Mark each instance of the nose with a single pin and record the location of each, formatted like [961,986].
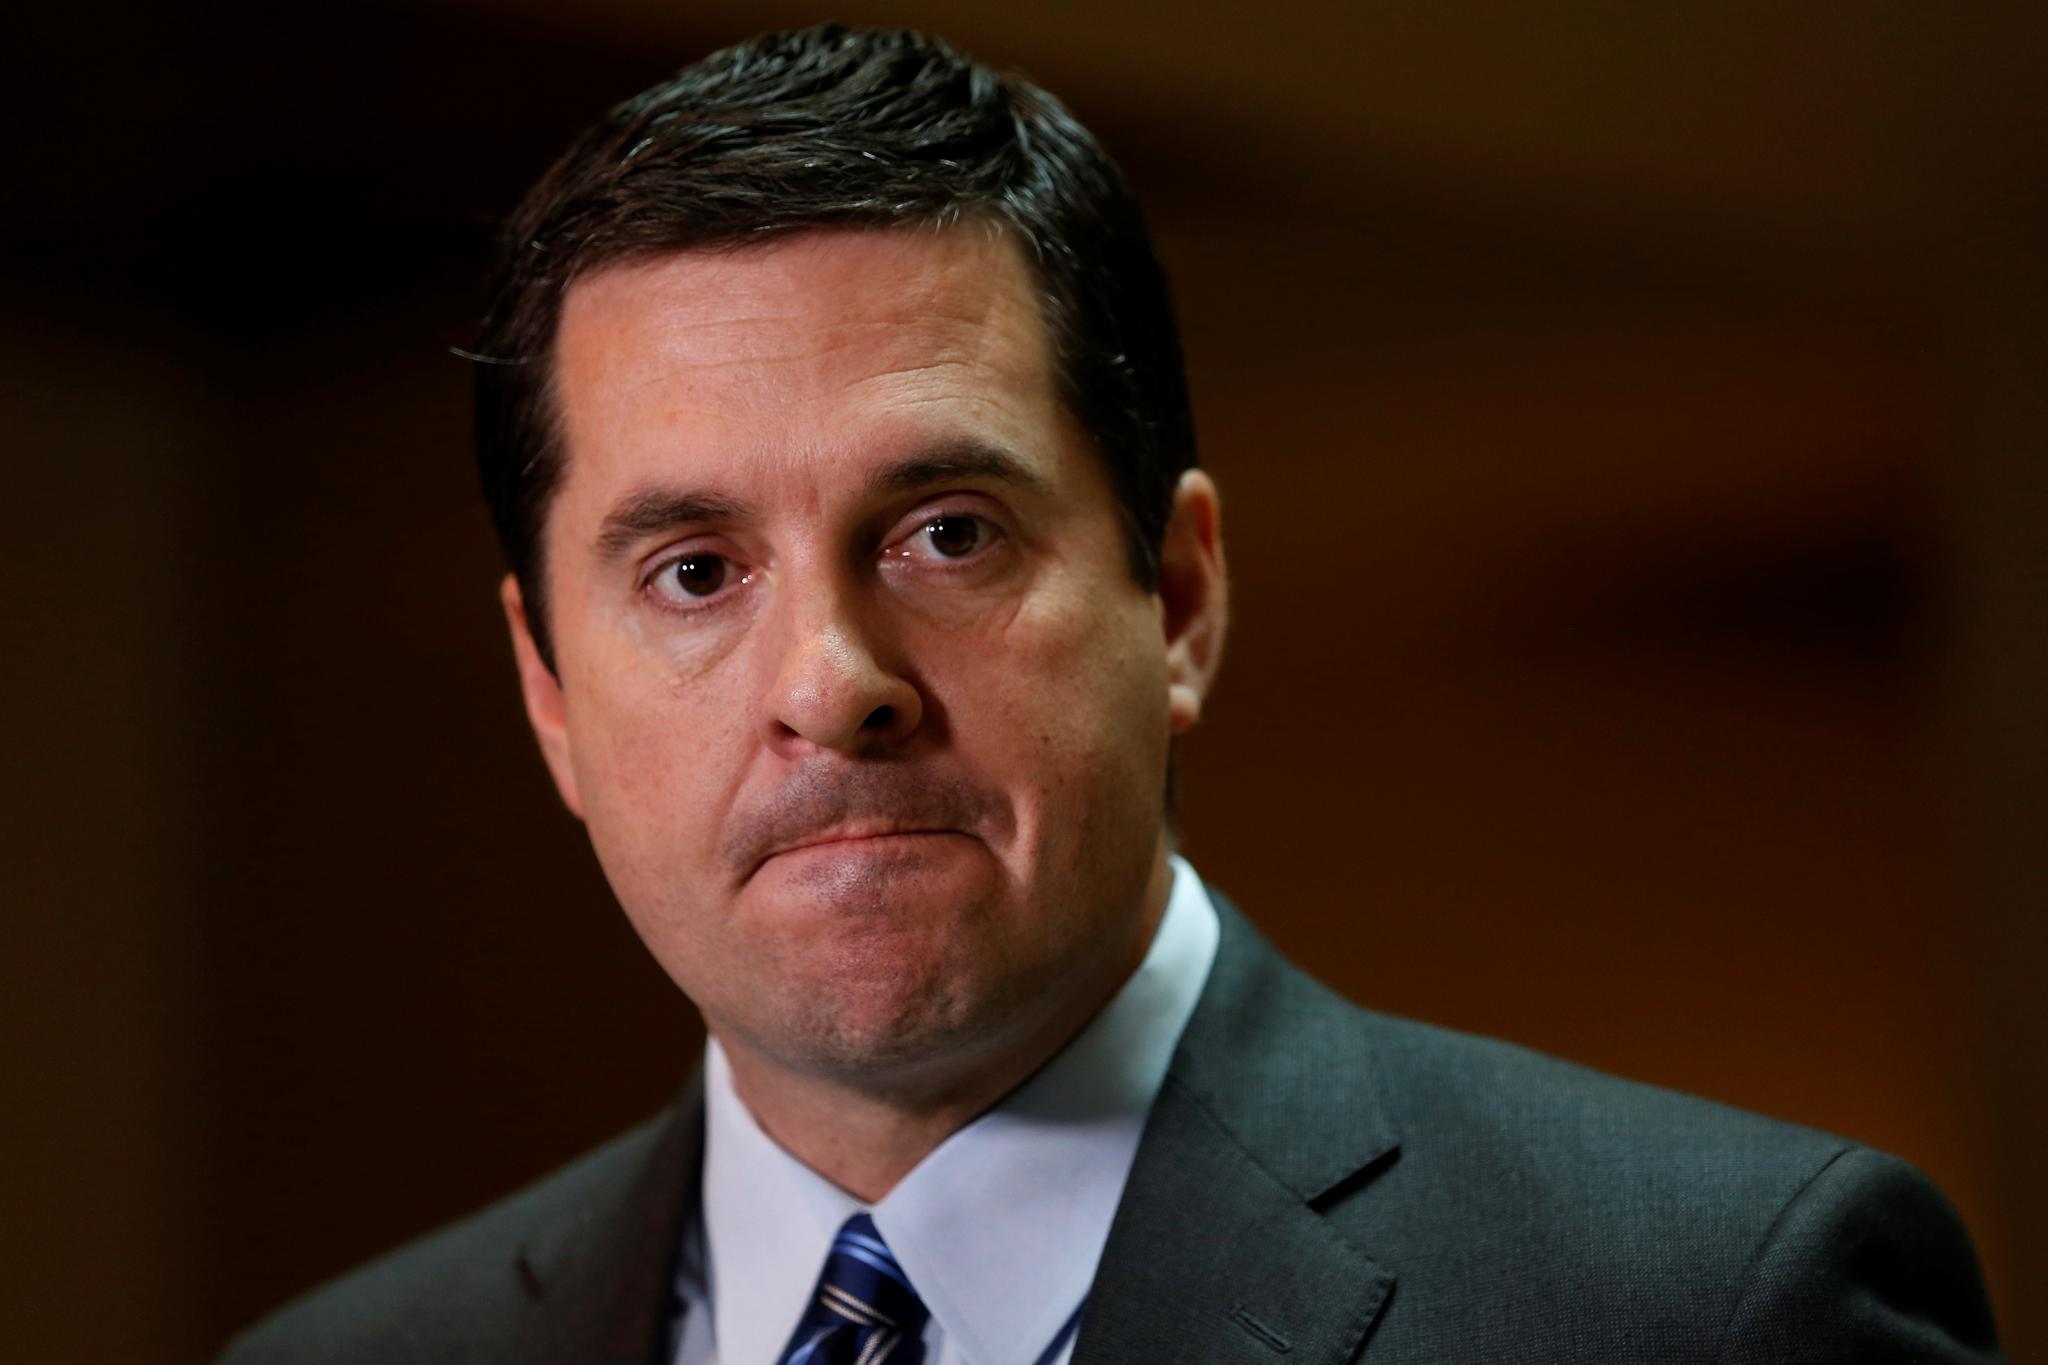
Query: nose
[836,684]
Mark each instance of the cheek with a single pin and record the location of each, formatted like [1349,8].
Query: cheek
[645,744]
[1081,683]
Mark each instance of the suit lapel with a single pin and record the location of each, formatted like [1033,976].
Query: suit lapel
[1218,1253]
[600,1288]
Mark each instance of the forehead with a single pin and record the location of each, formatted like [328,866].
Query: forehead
[823,345]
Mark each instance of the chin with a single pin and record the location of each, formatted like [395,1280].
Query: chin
[887,1007]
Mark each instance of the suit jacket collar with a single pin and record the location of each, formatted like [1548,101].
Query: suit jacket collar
[601,1285]
[1284,1064]
[1269,1111]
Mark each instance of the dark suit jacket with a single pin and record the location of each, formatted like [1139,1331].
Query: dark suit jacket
[1316,1184]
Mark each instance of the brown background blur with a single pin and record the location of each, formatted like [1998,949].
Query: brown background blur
[1631,426]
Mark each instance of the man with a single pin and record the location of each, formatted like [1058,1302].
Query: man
[832,413]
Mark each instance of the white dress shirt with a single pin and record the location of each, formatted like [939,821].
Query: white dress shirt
[999,1228]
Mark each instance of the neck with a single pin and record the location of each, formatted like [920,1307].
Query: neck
[865,1133]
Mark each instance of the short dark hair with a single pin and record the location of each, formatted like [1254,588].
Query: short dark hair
[839,127]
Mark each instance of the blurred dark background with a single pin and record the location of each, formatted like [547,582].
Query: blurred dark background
[1631,426]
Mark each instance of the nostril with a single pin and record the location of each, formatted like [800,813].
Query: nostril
[881,718]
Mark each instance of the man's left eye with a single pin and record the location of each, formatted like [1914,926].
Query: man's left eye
[951,536]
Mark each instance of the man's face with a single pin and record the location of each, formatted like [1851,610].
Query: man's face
[864,712]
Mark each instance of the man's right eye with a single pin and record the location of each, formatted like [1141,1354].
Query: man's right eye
[691,578]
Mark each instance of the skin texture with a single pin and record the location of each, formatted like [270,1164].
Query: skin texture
[859,702]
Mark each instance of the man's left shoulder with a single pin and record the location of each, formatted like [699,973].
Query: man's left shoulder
[1505,1104]
[1606,1146]
[1522,1207]
[1681,1218]
[1285,1056]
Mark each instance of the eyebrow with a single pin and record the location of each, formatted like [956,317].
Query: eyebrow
[948,464]
[651,511]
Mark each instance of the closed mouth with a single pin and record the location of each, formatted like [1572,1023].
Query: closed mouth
[836,838]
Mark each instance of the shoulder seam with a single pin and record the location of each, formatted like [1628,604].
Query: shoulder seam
[1747,1278]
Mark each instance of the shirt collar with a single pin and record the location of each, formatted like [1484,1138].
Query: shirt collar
[1001,1226]
[768,1222]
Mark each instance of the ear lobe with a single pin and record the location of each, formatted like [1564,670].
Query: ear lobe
[546,709]
[1194,597]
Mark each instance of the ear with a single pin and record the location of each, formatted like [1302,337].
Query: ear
[1193,596]
[545,709]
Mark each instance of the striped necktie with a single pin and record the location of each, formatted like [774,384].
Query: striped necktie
[864,1312]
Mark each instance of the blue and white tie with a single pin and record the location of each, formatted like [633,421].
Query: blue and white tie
[864,1312]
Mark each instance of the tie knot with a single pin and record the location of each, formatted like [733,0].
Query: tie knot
[865,1309]
[863,1283]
